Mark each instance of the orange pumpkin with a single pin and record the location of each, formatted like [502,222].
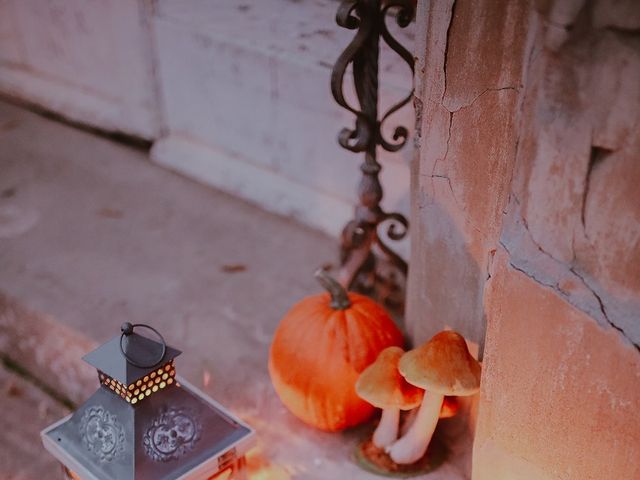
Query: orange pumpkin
[319,349]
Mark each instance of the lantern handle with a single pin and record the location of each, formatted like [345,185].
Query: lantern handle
[127,329]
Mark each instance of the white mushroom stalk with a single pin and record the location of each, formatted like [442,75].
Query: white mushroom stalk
[450,407]
[413,444]
[387,431]
[381,385]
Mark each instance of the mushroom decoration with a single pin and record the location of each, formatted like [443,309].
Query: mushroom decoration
[442,366]
[382,386]
[450,407]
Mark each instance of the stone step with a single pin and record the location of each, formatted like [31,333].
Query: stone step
[26,410]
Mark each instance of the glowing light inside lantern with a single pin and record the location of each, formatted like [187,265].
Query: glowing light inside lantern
[143,387]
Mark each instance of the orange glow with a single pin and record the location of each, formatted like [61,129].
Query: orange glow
[206,378]
[142,387]
[71,474]
[450,407]
[223,475]
[259,468]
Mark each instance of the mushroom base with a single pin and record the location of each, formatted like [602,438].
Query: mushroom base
[375,460]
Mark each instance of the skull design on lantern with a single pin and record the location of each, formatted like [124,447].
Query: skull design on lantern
[171,434]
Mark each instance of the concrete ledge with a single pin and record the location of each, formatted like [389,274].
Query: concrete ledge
[48,350]
[260,185]
[26,410]
[76,104]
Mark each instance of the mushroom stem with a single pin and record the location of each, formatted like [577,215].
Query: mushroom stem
[408,421]
[413,445]
[387,431]
[339,297]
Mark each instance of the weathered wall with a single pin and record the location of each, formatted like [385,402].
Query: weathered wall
[250,114]
[560,393]
[533,207]
[253,114]
[466,96]
[91,62]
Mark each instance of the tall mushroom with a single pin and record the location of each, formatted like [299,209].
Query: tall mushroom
[382,386]
[442,366]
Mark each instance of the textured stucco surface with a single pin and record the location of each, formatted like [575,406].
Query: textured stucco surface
[526,216]
[464,157]
[560,394]
[573,221]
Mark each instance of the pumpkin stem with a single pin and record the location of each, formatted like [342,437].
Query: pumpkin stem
[339,298]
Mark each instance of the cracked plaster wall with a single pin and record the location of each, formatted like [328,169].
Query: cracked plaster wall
[466,140]
[526,225]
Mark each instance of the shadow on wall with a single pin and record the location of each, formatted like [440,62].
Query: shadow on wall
[446,259]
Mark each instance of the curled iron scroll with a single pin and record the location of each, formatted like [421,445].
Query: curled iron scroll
[358,138]
[397,230]
[403,18]
[352,14]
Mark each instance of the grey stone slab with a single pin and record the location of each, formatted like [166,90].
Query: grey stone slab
[47,349]
[25,411]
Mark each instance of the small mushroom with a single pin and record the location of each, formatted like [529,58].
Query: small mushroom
[382,386]
[442,366]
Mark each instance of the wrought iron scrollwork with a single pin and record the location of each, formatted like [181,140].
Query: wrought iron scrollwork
[368,263]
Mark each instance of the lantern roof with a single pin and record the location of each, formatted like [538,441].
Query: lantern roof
[129,356]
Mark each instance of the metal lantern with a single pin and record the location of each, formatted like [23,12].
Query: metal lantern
[144,422]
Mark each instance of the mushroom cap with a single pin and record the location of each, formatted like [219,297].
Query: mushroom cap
[442,365]
[382,386]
